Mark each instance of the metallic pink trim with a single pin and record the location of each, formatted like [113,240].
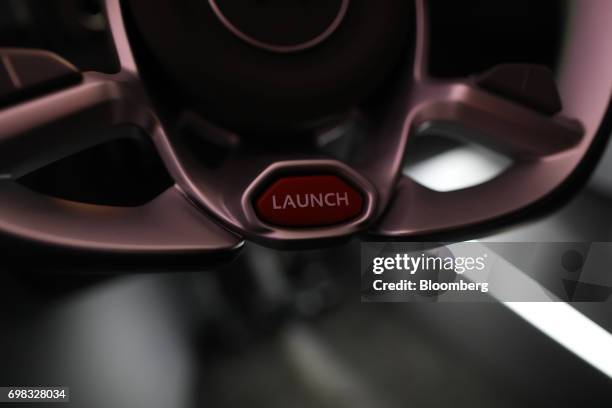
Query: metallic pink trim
[57,124]
[585,85]
[167,225]
[279,48]
[116,24]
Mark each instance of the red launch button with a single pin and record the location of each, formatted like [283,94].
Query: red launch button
[309,201]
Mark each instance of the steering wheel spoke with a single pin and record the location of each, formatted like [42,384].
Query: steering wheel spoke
[463,110]
[45,119]
[515,109]
[41,130]
[167,225]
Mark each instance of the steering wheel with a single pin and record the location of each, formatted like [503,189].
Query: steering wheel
[257,85]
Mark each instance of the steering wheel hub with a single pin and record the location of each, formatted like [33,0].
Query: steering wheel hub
[273,67]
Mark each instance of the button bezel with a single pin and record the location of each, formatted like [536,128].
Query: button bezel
[294,168]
